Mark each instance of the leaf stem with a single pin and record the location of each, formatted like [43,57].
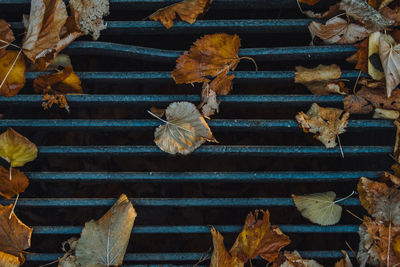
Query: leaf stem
[340,146]
[352,251]
[11,44]
[252,60]
[352,193]
[155,116]
[355,216]
[15,203]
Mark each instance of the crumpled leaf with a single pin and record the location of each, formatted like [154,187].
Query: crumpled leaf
[187,10]
[69,260]
[8,260]
[258,238]
[293,259]
[319,208]
[322,80]
[15,81]
[374,243]
[15,236]
[211,55]
[345,262]
[361,11]
[220,257]
[366,99]
[386,114]
[209,104]
[184,131]
[6,36]
[89,15]
[10,188]
[337,31]
[325,123]
[104,242]
[43,27]
[16,149]
[50,100]
[62,82]
[360,58]
[389,53]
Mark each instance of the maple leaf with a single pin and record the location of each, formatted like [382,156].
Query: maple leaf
[360,58]
[293,259]
[322,80]
[338,31]
[325,123]
[8,260]
[10,188]
[389,53]
[361,11]
[15,236]
[184,131]
[6,36]
[12,73]
[258,238]
[319,208]
[187,10]
[220,256]
[104,242]
[62,82]
[43,27]
[211,55]
[16,149]
[89,15]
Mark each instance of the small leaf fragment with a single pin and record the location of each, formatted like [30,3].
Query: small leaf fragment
[209,104]
[15,81]
[345,262]
[386,114]
[63,82]
[293,259]
[10,188]
[319,208]
[16,149]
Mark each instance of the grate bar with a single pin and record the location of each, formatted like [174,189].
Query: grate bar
[111,125]
[160,55]
[202,176]
[163,202]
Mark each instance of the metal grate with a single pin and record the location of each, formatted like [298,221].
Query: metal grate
[104,146]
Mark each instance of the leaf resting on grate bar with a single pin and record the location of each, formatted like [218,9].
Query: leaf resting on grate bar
[10,188]
[325,123]
[104,242]
[293,259]
[184,131]
[187,10]
[12,81]
[319,208]
[220,257]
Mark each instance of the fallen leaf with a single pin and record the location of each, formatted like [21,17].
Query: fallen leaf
[391,14]
[366,99]
[60,61]
[375,69]
[187,10]
[337,31]
[325,123]
[63,82]
[322,80]
[89,15]
[15,236]
[258,238]
[293,259]
[389,53]
[386,114]
[220,257]
[10,188]
[104,242]
[309,2]
[12,73]
[43,27]
[319,208]
[396,151]
[6,36]
[69,260]
[209,56]
[8,260]
[345,262]
[361,11]
[50,100]
[379,4]
[16,149]
[209,104]
[184,131]
[222,84]
[381,201]
[332,11]
[361,56]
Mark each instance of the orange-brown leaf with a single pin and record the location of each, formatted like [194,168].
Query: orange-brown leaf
[10,188]
[361,56]
[6,35]
[50,100]
[309,2]
[222,84]
[187,10]
[8,260]
[209,56]
[63,82]
[15,80]
[258,238]
[15,236]
[220,257]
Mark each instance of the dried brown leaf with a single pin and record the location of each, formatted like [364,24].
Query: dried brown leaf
[332,11]
[10,188]
[345,262]
[62,82]
[8,260]
[361,57]
[6,36]
[293,259]
[12,73]
[220,256]
[309,2]
[389,53]
[386,114]
[209,104]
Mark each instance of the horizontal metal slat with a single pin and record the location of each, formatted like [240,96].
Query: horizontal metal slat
[202,176]
[151,99]
[288,151]
[160,55]
[163,202]
[112,125]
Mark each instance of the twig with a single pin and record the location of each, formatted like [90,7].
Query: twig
[352,193]
[352,251]
[355,84]
[354,215]
[340,146]
[50,263]
[15,203]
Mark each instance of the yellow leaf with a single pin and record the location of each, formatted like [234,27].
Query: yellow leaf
[8,260]
[15,81]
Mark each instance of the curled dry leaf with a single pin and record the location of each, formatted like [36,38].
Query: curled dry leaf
[184,131]
[104,242]
[360,58]
[258,238]
[63,82]
[386,114]
[10,188]
[345,262]
[50,100]
[16,149]
[211,55]
[12,73]
[375,69]
[88,15]
[209,104]
[293,259]
[220,257]
[6,35]
[325,123]
[187,10]
[322,80]
[15,236]
[361,11]
[8,260]
[69,260]
[389,53]
[337,31]
[319,208]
